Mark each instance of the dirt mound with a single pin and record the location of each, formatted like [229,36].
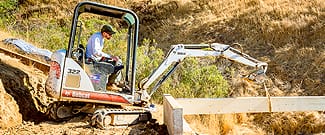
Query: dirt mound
[9,110]
[26,87]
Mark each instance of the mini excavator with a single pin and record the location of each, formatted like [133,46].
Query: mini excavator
[79,87]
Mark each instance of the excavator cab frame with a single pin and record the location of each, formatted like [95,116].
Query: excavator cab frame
[75,88]
[117,13]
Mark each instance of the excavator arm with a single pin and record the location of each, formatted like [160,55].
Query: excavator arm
[179,52]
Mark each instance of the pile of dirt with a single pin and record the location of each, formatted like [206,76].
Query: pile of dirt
[9,110]
[26,86]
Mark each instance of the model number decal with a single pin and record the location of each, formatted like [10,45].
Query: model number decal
[73,71]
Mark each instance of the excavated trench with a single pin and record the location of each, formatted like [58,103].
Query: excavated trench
[28,91]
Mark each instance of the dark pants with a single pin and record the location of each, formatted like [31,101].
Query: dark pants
[111,68]
[118,65]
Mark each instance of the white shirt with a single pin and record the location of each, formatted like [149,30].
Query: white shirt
[95,46]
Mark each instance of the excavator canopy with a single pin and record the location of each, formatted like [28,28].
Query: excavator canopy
[116,13]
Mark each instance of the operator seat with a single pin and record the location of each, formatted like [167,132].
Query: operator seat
[97,71]
[79,55]
[82,52]
[100,66]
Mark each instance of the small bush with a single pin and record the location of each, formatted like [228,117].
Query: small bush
[7,8]
[193,78]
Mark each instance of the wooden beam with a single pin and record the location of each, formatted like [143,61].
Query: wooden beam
[44,67]
[173,115]
[251,104]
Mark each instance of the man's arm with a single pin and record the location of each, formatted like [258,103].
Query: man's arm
[98,53]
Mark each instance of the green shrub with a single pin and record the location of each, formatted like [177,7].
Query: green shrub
[192,79]
[7,8]
[148,59]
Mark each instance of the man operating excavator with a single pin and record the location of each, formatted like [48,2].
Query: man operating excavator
[94,53]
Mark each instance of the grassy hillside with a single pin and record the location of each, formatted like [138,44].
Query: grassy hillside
[289,35]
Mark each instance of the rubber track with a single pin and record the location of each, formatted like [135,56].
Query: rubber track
[44,67]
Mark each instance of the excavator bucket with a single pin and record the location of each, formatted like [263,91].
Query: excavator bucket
[257,76]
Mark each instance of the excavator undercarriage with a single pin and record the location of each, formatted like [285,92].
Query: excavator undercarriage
[103,115]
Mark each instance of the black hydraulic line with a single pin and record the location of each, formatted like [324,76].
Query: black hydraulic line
[80,30]
[128,57]
[134,51]
[196,46]
[164,78]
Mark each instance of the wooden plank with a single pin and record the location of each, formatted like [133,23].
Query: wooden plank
[44,67]
[187,130]
[251,104]
[173,115]
[298,103]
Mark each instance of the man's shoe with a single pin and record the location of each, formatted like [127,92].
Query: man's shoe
[113,87]
[117,68]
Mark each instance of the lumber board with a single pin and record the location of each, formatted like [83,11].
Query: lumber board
[44,67]
[173,115]
[251,104]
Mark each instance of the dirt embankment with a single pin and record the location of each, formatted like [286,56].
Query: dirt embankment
[26,87]
[9,110]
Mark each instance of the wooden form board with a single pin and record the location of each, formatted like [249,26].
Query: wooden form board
[251,104]
[173,115]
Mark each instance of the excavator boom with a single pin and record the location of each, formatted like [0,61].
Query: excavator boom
[179,52]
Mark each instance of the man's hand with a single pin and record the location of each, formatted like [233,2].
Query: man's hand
[115,58]
[105,59]
[111,59]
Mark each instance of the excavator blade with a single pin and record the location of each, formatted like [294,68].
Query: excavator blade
[257,76]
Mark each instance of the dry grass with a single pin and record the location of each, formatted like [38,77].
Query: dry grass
[289,35]
[291,122]
[257,124]
[226,124]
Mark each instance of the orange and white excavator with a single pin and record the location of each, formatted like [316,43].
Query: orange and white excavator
[79,87]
